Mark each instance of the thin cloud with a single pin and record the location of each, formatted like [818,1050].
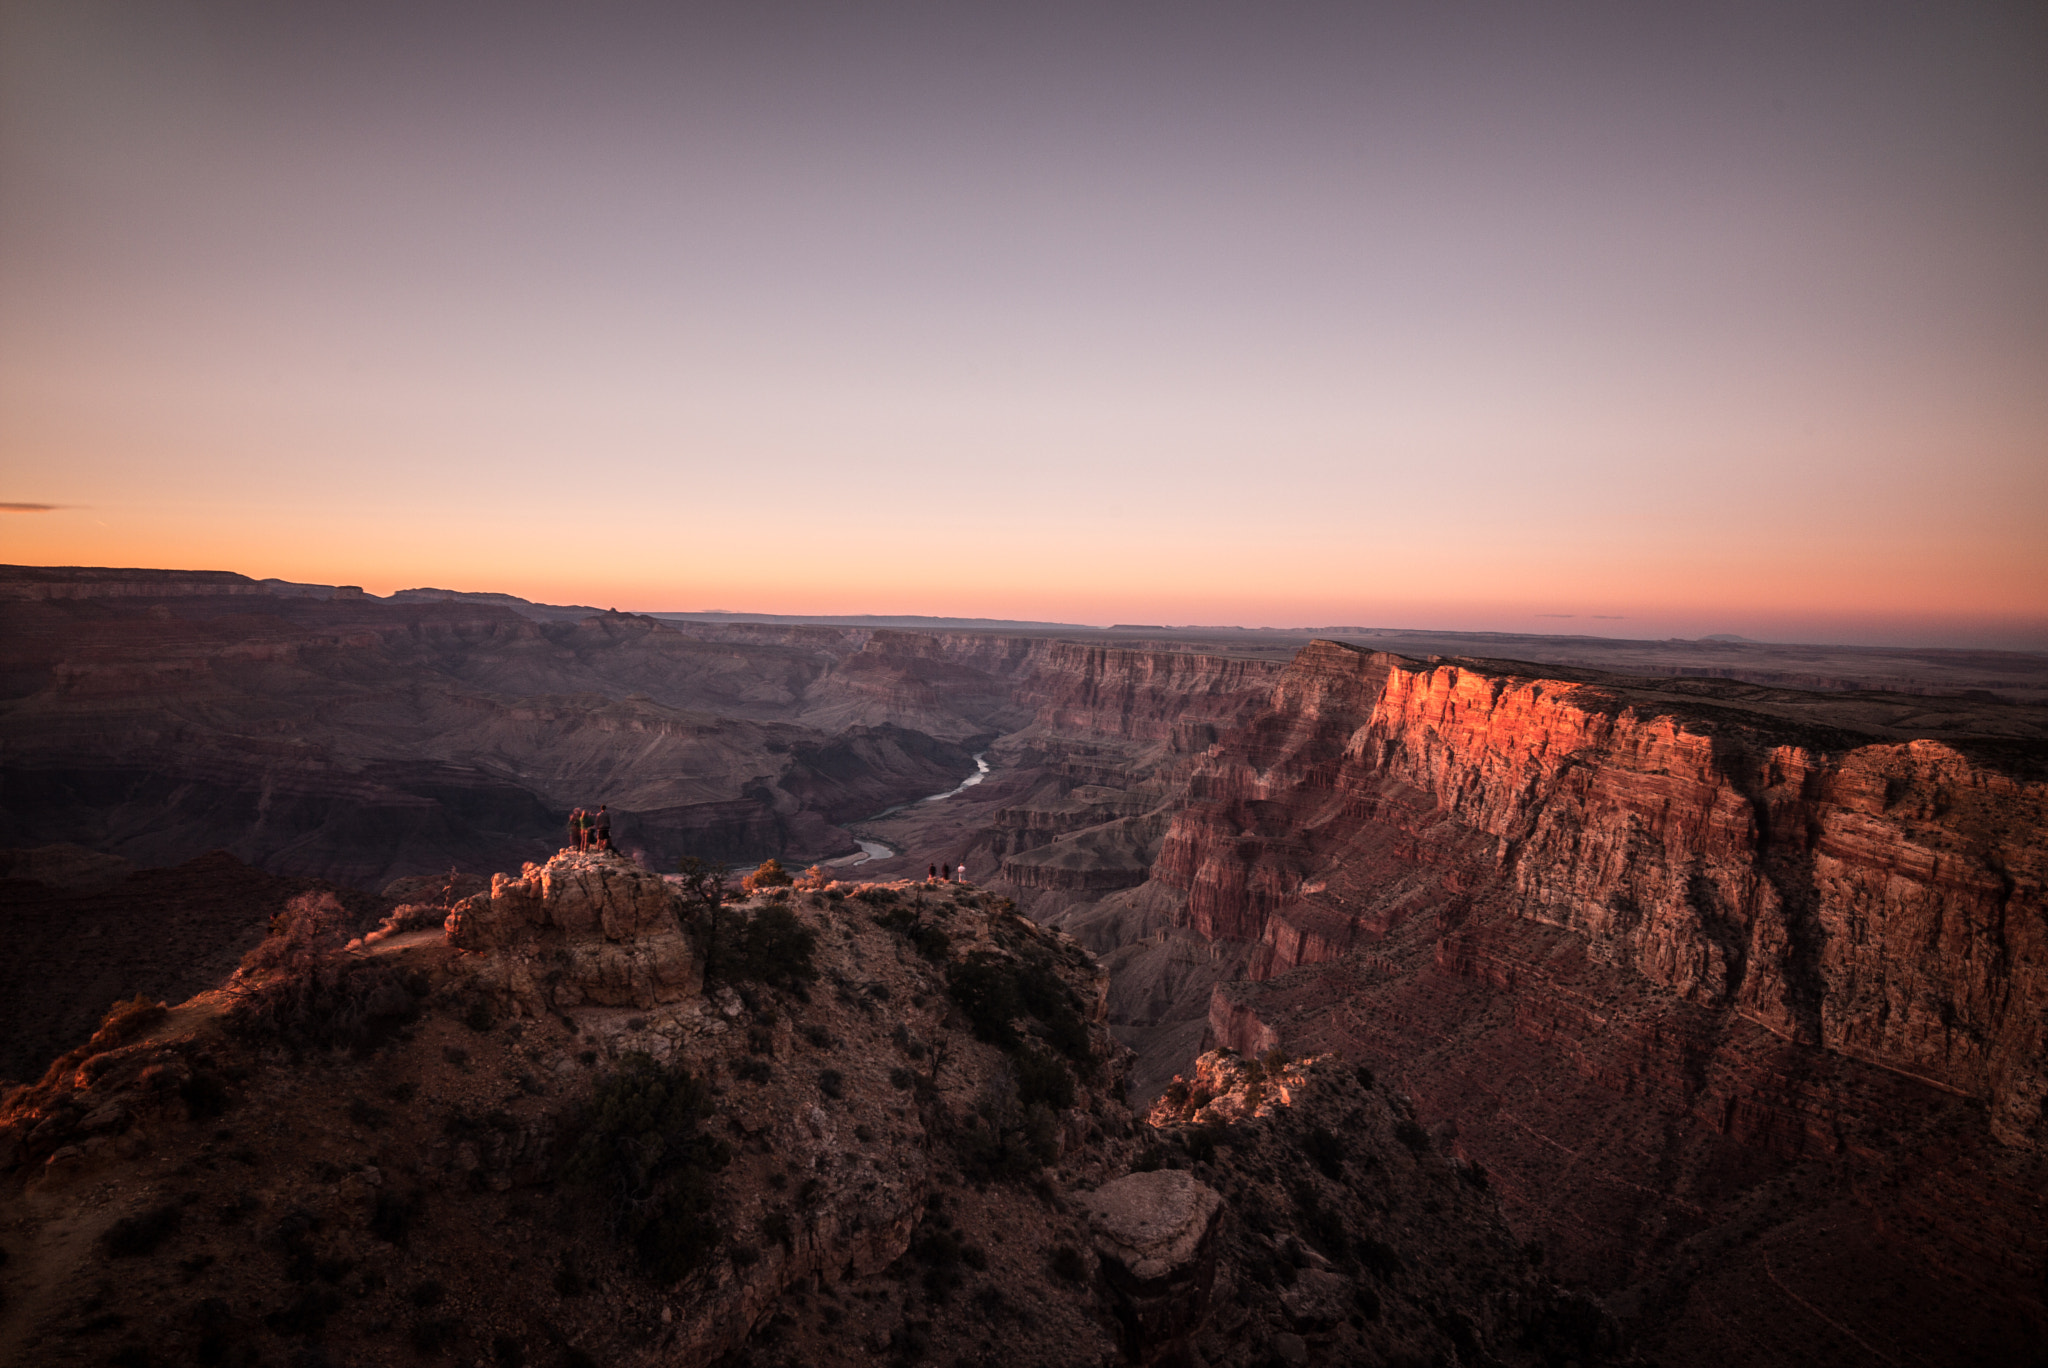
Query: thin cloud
[29,508]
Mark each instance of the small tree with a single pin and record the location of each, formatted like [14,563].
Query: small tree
[771,874]
[703,882]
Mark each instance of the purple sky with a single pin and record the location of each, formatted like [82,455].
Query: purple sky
[1673,319]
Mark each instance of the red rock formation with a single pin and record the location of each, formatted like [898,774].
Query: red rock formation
[1880,900]
[1643,951]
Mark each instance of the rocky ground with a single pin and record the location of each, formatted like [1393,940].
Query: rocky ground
[588,1123]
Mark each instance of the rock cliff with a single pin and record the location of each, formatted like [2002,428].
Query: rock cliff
[1650,948]
[1879,900]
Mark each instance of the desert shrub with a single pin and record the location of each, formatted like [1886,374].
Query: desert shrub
[1200,1143]
[771,874]
[984,985]
[773,947]
[434,1334]
[928,940]
[703,882]
[126,1020]
[939,1249]
[1474,1174]
[142,1232]
[1365,1079]
[820,1038]
[754,1070]
[1067,1263]
[643,1148]
[813,880]
[1042,1079]
[305,1314]
[1379,1259]
[777,1226]
[307,929]
[832,1083]
[1011,1139]
[392,1213]
[1325,1151]
[1413,1136]
[366,1115]
[205,1096]
[333,1004]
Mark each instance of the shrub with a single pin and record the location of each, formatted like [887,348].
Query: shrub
[335,1004]
[1042,1079]
[832,1083]
[772,947]
[703,882]
[205,1096]
[985,987]
[771,874]
[813,880]
[778,1227]
[143,1232]
[1379,1259]
[643,1147]
[362,1113]
[126,1020]
[929,941]
[1413,1136]
[1325,1150]
[393,1212]
[309,928]
[1067,1263]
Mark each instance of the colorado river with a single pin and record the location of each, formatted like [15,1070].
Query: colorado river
[875,850]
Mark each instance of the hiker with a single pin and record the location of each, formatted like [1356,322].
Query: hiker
[603,822]
[576,829]
[961,877]
[931,872]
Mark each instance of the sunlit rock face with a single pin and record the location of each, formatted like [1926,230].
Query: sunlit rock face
[1693,937]
[585,928]
[1880,900]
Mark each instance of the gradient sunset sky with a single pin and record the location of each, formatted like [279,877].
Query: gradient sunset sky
[1625,318]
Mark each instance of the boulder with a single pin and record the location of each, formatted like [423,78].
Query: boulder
[1155,1237]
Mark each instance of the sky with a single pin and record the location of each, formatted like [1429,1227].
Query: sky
[1630,319]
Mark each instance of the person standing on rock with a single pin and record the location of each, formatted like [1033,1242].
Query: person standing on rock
[603,824]
[961,875]
[576,829]
[931,872]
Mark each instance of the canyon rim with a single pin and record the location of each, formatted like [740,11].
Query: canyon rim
[1653,1016]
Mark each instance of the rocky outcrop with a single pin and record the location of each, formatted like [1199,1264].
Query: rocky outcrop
[1155,1242]
[1226,1086]
[586,928]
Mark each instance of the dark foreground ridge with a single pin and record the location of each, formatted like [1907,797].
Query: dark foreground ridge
[588,1121]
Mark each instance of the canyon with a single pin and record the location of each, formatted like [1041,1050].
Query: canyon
[1736,992]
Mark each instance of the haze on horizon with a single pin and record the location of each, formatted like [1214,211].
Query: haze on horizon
[1631,320]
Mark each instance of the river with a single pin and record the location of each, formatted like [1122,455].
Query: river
[876,850]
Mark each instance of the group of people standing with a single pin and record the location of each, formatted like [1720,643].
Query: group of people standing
[941,873]
[590,830]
